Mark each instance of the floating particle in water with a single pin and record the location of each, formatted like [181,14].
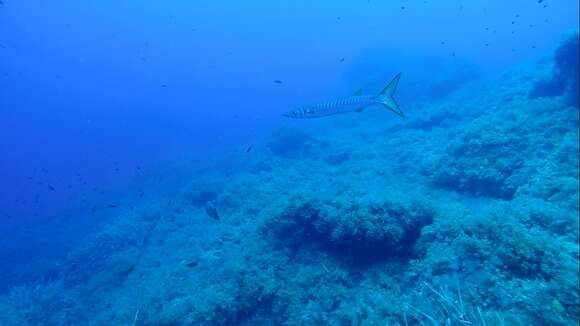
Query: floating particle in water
[278,81]
[112,206]
[249,149]
[342,59]
[486,44]
[93,210]
[442,42]
[402,7]
[163,86]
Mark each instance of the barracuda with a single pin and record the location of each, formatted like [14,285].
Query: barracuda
[355,103]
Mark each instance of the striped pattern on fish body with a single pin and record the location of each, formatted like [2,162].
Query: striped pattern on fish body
[354,103]
[337,106]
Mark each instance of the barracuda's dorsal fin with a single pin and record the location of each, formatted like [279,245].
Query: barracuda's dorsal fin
[358,92]
[386,96]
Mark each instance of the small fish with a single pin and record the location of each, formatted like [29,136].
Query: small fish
[129,270]
[93,210]
[278,81]
[51,188]
[211,211]
[112,206]
[355,103]
[191,263]
[249,149]
[341,59]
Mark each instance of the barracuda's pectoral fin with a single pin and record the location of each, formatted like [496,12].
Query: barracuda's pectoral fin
[386,96]
[358,92]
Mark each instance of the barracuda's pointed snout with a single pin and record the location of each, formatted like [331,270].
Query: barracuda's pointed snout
[290,114]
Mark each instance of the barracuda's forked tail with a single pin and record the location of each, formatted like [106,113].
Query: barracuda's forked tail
[386,96]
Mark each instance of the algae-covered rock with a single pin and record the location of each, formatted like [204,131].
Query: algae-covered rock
[383,228]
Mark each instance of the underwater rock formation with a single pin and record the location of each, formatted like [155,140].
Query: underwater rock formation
[564,76]
[363,232]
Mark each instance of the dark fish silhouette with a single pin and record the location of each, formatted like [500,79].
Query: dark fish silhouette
[249,149]
[277,81]
[191,264]
[212,211]
[51,188]
[112,206]
[93,210]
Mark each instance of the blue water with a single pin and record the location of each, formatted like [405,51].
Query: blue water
[124,123]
